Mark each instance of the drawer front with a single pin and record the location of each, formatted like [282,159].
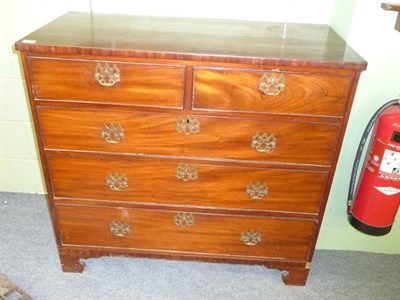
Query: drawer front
[208,137]
[185,232]
[108,82]
[186,184]
[270,91]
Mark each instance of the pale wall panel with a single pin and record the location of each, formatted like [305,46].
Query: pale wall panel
[370,32]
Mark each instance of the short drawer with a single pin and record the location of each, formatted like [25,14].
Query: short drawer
[182,183]
[270,92]
[109,82]
[187,232]
[188,136]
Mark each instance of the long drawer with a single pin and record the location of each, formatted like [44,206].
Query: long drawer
[270,91]
[189,136]
[182,183]
[110,82]
[189,232]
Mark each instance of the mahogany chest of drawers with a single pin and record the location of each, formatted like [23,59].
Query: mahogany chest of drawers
[195,139]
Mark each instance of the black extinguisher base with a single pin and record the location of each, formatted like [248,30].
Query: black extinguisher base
[357,224]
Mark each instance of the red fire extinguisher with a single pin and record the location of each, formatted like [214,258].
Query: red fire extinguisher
[377,198]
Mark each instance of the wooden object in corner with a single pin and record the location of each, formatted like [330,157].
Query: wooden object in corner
[192,139]
[393,7]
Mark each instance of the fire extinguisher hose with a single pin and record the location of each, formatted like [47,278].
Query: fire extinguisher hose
[360,150]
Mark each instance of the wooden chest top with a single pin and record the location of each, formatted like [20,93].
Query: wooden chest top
[253,42]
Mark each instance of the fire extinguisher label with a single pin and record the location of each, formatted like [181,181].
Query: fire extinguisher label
[391,164]
[388,191]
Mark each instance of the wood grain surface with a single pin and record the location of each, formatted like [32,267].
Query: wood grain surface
[239,90]
[154,230]
[154,181]
[140,84]
[227,41]
[156,134]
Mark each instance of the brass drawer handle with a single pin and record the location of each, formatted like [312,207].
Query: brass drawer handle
[112,133]
[257,191]
[264,142]
[272,83]
[188,125]
[184,220]
[116,182]
[107,75]
[250,237]
[119,228]
[186,173]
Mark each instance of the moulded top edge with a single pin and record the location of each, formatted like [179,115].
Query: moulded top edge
[193,39]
